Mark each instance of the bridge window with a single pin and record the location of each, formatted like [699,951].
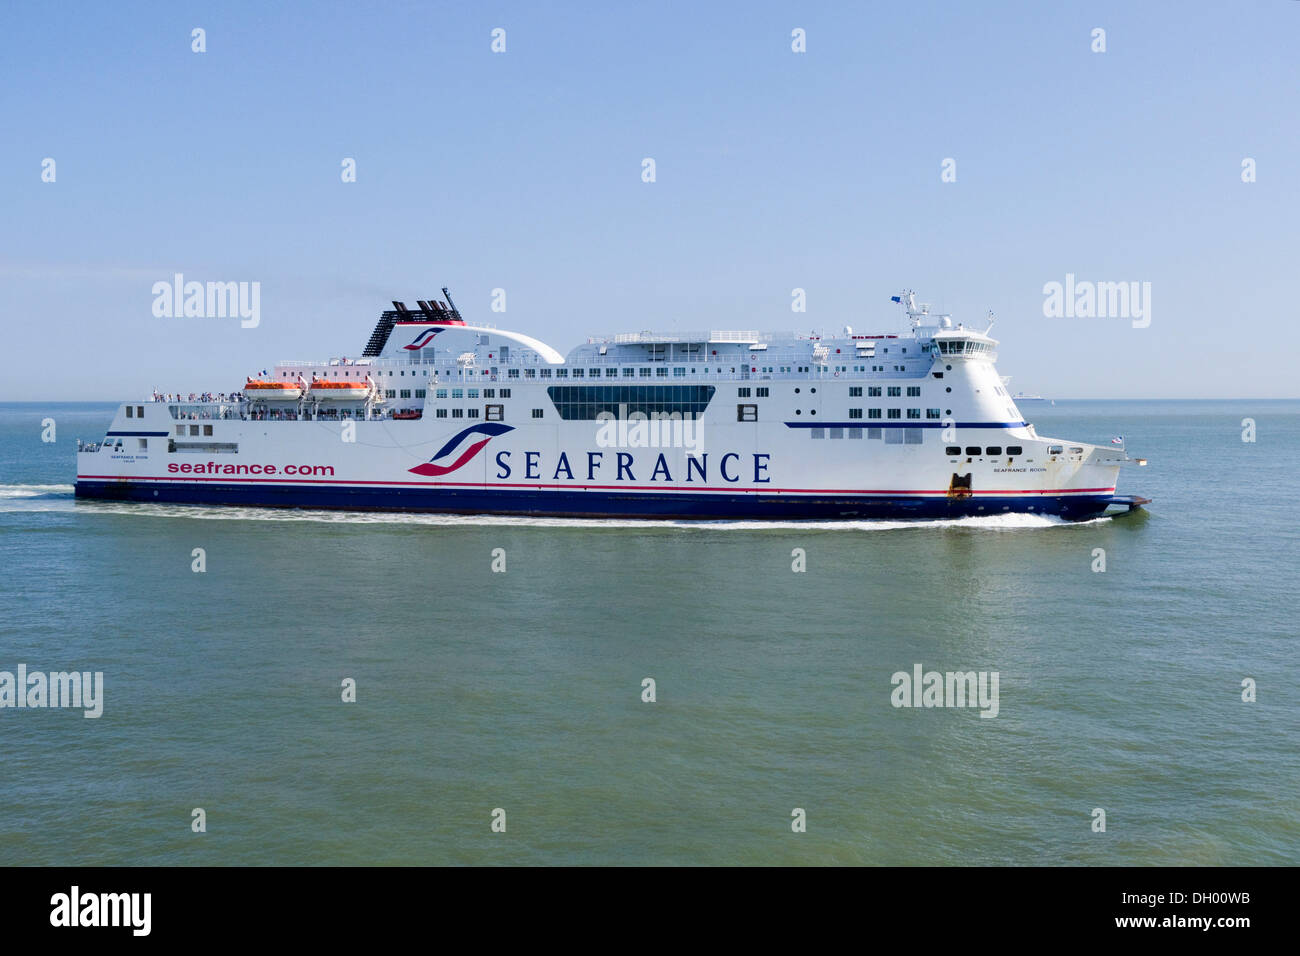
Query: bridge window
[993,451]
[1015,450]
[973,450]
[952,450]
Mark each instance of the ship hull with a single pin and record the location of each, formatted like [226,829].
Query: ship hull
[593,503]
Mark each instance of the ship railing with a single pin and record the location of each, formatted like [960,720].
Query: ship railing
[207,411]
[88,446]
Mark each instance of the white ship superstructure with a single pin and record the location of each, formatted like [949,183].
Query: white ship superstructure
[439,415]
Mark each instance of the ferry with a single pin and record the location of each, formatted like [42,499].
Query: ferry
[438,415]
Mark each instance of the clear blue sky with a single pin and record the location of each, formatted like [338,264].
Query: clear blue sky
[775,170]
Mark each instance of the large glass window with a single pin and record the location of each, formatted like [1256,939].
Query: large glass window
[585,402]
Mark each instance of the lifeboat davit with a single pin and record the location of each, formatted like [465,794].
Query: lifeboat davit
[273,391]
[339,391]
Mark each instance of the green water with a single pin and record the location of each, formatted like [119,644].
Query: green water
[522,690]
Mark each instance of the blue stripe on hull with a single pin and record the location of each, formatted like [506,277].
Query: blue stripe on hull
[590,504]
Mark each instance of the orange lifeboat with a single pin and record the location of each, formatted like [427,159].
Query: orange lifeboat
[339,391]
[273,391]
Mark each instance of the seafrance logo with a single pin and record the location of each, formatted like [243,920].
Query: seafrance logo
[461,445]
[421,340]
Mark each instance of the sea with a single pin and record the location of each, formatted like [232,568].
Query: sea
[299,687]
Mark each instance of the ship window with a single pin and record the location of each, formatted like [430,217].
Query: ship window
[561,373]
[440,413]
[913,436]
[631,372]
[1015,450]
[530,373]
[546,373]
[746,413]
[874,433]
[440,393]
[180,429]
[894,413]
[973,450]
[471,413]
[458,413]
[761,392]
[855,391]
[661,372]
[1054,449]
[873,413]
[207,429]
[537,413]
[587,402]
[194,429]
[913,413]
[130,411]
[505,393]
[404,393]
[952,450]
[855,432]
[457,393]
[419,393]
[818,432]
[993,451]
[835,432]
[895,391]
[679,372]
[472,393]
[932,413]
[390,393]
[1076,451]
[512,373]
[144,443]
[493,413]
[489,393]
[855,413]
[742,393]
[873,391]
[913,391]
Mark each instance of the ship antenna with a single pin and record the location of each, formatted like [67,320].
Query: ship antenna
[454,310]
